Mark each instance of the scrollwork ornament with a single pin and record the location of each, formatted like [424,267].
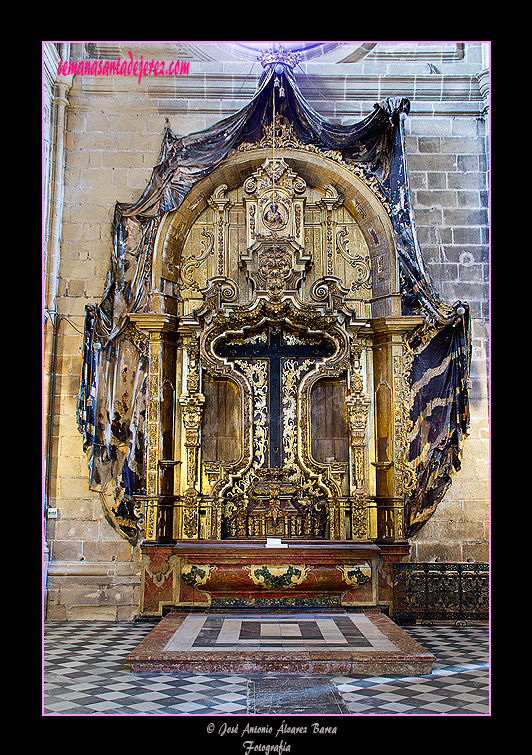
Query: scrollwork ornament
[357,413]
[219,292]
[192,263]
[278,577]
[196,575]
[190,513]
[360,264]
[291,378]
[359,516]
[329,290]
[257,374]
[356,575]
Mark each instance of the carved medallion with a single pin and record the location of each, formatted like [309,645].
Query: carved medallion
[195,575]
[278,577]
[357,575]
[275,216]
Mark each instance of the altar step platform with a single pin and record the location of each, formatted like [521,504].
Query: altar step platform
[329,643]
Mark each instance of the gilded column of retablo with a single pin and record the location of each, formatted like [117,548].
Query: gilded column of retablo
[192,410]
[358,404]
[391,368]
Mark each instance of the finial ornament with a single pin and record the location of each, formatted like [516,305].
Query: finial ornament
[280,56]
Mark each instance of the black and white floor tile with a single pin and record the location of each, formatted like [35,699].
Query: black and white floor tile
[458,684]
[85,673]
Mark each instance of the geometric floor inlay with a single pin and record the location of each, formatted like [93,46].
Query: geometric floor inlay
[86,673]
[199,632]
[346,642]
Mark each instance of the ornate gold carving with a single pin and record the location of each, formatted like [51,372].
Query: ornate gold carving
[291,378]
[278,577]
[219,291]
[191,404]
[150,527]
[195,575]
[286,138]
[356,575]
[357,403]
[238,318]
[192,407]
[220,204]
[190,513]
[360,264]
[275,267]
[190,264]
[275,256]
[274,203]
[405,478]
[357,413]
[277,504]
[261,337]
[359,516]
[139,339]
[152,472]
[256,371]
[329,289]
[329,202]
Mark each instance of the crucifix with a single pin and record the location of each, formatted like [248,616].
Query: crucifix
[277,346]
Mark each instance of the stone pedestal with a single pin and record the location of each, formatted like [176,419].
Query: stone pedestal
[254,643]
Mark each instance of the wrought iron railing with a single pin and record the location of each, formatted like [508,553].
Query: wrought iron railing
[440,592]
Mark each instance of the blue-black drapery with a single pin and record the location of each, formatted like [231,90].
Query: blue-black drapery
[111,398]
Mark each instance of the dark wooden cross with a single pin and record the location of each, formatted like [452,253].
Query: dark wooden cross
[275,351]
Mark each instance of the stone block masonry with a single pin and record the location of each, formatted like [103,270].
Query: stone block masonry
[450,194]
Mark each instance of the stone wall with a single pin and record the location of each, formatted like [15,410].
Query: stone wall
[448,173]
[112,134]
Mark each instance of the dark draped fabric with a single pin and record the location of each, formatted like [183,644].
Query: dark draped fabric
[113,383]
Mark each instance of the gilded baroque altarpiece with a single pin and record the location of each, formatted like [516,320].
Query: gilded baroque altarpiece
[289,403]
[272,361]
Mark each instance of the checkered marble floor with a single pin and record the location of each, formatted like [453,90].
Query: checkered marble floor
[85,673]
[458,684]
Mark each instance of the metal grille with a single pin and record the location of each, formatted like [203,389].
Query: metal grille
[440,591]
